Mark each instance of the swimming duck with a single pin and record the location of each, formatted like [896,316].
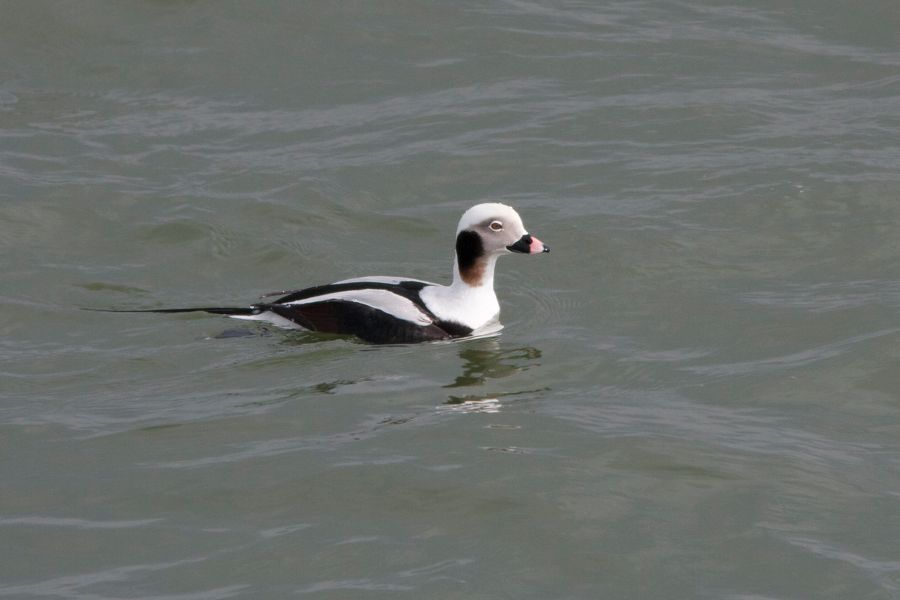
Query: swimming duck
[392,310]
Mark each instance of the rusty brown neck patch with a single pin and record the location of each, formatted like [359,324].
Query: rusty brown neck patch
[474,274]
[470,257]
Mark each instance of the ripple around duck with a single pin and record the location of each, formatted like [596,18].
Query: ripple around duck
[536,306]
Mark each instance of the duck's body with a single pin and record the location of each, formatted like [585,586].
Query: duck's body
[384,310]
[376,309]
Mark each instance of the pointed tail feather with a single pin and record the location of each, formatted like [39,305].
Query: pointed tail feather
[216,310]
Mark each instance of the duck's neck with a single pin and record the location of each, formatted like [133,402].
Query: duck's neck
[470,300]
[473,267]
[476,276]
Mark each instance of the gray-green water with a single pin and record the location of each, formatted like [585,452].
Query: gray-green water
[696,394]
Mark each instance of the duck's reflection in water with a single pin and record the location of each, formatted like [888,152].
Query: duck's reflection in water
[485,360]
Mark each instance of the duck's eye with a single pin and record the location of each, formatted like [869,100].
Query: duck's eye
[496,225]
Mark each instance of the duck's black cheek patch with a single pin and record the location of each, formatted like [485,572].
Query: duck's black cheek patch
[469,248]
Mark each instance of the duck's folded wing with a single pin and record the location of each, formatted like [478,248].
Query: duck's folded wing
[398,283]
[408,288]
[384,279]
[375,315]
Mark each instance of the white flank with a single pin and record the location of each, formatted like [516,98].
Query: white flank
[269,317]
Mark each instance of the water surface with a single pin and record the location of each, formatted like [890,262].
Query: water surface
[695,395]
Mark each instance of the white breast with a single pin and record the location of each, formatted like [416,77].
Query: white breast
[476,308]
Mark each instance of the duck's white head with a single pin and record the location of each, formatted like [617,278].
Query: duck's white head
[485,232]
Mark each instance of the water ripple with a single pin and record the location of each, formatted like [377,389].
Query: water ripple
[827,297]
[77,586]
[790,361]
[885,572]
[42,521]
[653,414]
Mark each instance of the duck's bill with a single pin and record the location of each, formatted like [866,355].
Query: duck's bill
[528,244]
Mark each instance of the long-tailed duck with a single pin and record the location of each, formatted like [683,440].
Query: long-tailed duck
[391,310]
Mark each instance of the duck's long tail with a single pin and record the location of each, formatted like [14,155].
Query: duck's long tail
[216,310]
